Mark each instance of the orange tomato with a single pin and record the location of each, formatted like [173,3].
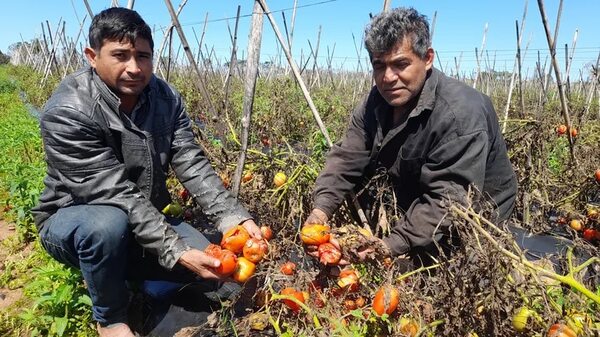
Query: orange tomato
[266,232]
[295,294]
[408,326]
[314,234]
[247,177]
[244,269]
[597,175]
[348,280]
[288,268]
[227,258]
[255,249]
[279,179]
[225,179]
[360,301]
[576,225]
[329,254]
[350,304]
[561,129]
[235,238]
[560,330]
[386,300]
[573,132]
[590,234]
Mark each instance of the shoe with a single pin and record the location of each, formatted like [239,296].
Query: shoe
[114,330]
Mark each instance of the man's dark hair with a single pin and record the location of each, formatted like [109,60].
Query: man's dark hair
[391,27]
[118,24]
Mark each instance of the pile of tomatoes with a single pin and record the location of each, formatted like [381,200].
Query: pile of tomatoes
[588,226]
[239,253]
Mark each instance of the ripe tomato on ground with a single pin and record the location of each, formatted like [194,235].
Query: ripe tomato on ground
[560,330]
[348,280]
[561,129]
[255,249]
[266,232]
[288,268]
[297,295]
[244,269]
[386,300]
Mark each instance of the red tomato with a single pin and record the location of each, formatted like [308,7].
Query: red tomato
[560,330]
[386,300]
[255,249]
[227,258]
[561,129]
[266,232]
[348,280]
[244,269]
[296,294]
[329,254]
[589,234]
[573,132]
[235,239]
[288,268]
[315,234]
[597,175]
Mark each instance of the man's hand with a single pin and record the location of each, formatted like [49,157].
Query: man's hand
[200,263]
[317,216]
[252,229]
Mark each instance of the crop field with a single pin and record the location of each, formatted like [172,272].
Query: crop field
[487,286]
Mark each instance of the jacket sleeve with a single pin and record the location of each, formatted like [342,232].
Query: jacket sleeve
[195,172]
[344,165]
[448,171]
[90,170]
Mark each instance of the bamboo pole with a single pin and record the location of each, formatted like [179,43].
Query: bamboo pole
[569,62]
[232,60]
[89,9]
[521,100]
[166,34]
[593,85]
[186,47]
[254,42]
[130,4]
[561,89]
[74,45]
[386,5]
[478,57]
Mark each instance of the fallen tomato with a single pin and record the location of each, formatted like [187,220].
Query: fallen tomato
[279,179]
[560,330]
[315,234]
[247,177]
[255,249]
[592,213]
[225,179]
[561,129]
[184,194]
[408,326]
[576,225]
[266,232]
[244,269]
[235,239]
[360,301]
[329,254]
[597,175]
[295,294]
[520,318]
[573,132]
[386,300]
[350,304]
[590,234]
[227,258]
[288,268]
[348,280]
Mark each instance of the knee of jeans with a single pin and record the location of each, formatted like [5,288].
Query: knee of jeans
[105,225]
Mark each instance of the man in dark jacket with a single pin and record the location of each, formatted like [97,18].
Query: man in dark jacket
[110,133]
[433,135]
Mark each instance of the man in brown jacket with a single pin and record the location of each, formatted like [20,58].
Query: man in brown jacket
[433,135]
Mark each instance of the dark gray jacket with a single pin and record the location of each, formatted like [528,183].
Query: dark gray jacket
[450,140]
[99,156]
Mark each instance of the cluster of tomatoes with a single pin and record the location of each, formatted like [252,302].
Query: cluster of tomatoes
[239,253]
[587,226]
[562,129]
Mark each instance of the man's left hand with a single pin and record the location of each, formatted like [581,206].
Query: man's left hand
[252,228]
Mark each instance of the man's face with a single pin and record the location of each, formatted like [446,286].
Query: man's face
[126,68]
[399,73]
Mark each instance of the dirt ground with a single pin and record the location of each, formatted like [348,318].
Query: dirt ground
[7,296]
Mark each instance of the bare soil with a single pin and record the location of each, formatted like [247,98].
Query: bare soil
[7,296]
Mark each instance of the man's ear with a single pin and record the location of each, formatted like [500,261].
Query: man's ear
[429,56]
[91,55]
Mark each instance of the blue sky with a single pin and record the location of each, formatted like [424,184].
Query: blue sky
[459,27]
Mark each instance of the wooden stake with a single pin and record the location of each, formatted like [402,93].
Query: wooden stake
[254,42]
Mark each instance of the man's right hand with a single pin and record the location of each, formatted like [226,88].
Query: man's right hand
[317,216]
[200,263]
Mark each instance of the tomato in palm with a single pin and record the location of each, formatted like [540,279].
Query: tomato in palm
[386,300]
[295,294]
[227,258]
[329,254]
[255,249]
[235,239]
[288,268]
[315,234]
[244,269]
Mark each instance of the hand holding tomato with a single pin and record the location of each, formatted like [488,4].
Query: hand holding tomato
[317,216]
[200,263]
[252,229]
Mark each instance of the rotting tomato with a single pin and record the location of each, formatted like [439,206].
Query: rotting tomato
[329,254]
[560,330]
[235,239]
[244,269]
[350,304]
[295,307]
[227,258]
[561,129]
[408,326]
[184,194]
[386,300]
[266,232]
[247,177]
[590,234]
[255,249]
[315,234]
[573,132]
[360,301]
[225,179]
[288,268]
[348,280]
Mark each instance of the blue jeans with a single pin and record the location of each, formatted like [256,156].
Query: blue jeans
[97,240]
